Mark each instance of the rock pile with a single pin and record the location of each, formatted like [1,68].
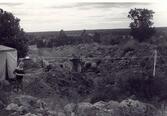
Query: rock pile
[112,108]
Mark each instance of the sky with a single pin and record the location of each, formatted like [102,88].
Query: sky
[54,15]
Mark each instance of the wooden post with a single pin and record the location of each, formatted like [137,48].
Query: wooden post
[155,62]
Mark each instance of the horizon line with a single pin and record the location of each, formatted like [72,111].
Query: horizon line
[83,29]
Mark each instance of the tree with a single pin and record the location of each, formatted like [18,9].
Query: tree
[97,37]
[11,34]
[142,25]
[62,35]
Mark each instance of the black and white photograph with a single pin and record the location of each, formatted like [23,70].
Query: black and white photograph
[83,58]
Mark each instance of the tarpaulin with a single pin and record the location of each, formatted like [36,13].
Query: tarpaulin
[8,63]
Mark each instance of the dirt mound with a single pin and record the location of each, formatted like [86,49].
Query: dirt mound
[132,59]
[39,88]
[69,84]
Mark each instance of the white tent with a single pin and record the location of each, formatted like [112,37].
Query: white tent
[8,62]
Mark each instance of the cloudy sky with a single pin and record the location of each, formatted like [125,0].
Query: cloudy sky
[53,15]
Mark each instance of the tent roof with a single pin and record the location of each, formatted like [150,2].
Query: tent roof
[5,48]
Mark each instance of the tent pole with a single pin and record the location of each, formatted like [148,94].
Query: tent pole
[155,62]
[6,76]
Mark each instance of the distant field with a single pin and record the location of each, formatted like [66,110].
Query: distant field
[77,32]
[107,36]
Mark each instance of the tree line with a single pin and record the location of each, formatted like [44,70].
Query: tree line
[63,39]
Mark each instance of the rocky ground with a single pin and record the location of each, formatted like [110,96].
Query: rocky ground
[60,92]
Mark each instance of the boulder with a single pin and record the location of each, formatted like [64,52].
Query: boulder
[25,104]
[13,107]
[69,107]
[112,105]
[113,108]
[104,108]
[30,114]
[17,109]
[97,109]
[25,100]
[52,113]
[41,105]
[99,105]
[136,108]
[84,109]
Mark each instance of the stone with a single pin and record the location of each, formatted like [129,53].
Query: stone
[13,107]
[100,104]
[112,105]
[84,109]
[70,107]
[136,108]
[25,100]
[29,114]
